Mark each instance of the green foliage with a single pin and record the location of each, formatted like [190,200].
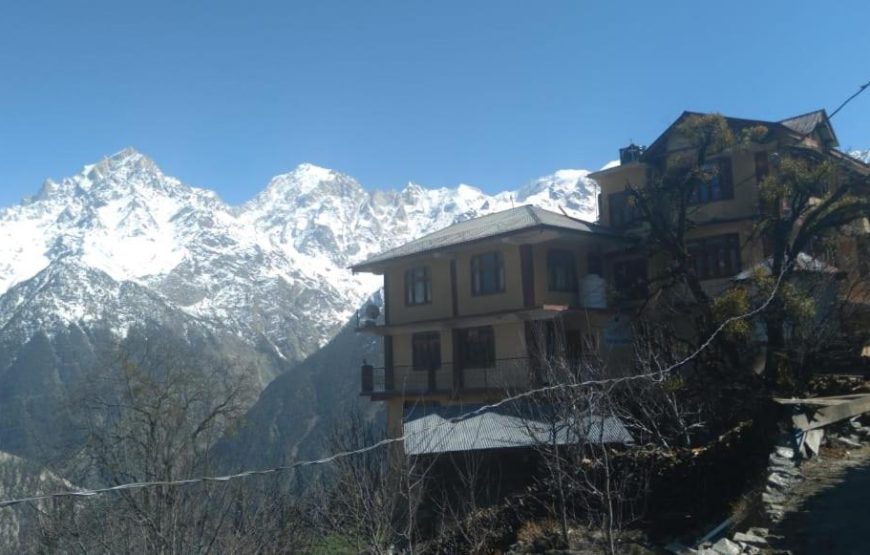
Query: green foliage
[797,305]
[793,184]
[729,304]
[755,134]
[709,132]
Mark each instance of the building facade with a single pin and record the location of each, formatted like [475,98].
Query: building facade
[475,311]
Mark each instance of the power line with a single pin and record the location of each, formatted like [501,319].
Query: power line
[343,454]
[861,89]
[656,375]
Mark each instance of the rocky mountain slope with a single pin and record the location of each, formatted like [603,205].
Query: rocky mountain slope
[121,246]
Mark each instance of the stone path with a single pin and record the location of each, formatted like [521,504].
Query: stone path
[829,511]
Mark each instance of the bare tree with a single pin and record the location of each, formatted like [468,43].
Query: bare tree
[154,418]
[587,428]
[370,500]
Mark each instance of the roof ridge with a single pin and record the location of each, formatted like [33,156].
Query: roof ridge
[531,210]
[816,111]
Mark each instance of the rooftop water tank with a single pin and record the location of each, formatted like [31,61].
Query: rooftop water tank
[631,153]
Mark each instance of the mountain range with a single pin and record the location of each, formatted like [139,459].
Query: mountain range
[863,155]
[120,252]
[121,255]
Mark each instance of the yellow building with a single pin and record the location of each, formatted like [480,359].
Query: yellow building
[722,239]
[473,311]
[466,309]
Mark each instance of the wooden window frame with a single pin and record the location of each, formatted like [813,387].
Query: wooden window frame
[487,262]
[715,257]
[562,260]
[719,187]
[413,277]
[426,350]
[632,287]
[623,214]
[477,347]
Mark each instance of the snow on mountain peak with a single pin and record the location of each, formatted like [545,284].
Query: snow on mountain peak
[569,190]
[305,179]
[314,171]
[280,258]
[863,155]
[123,164]
[127,155]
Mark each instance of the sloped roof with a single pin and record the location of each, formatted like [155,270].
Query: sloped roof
[506,222]
[803,124]
[441,429]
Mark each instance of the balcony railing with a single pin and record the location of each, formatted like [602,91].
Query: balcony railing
[368,318]
[502,375]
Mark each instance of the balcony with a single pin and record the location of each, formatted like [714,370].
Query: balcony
[369,318]
[503,375]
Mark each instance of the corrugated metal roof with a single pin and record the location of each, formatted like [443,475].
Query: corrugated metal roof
[440,430]
[500,223]
[803,263]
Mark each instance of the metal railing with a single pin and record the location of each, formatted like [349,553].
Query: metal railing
[500,375]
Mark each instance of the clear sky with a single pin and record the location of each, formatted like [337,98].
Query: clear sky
[492,93]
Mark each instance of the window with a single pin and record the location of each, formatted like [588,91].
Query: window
[623,211]
[720,186]
[561,271]
[487,274]
[630,278]
[477,347]
[426,350]
[418,286]
[715,257]
[595,264]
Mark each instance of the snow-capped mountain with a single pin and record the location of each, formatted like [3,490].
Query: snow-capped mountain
[863,155]
[121,252]
[272,267]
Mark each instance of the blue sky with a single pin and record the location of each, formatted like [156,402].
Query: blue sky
[492,93]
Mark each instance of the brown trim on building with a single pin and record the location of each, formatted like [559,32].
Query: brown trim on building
[527,270]
[762,166]
[454,295]
[597,230]
[457,360]
[389,370]
[542,312]
[386,301]
[531,351]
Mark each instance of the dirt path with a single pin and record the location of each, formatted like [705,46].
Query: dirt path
[829,512]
